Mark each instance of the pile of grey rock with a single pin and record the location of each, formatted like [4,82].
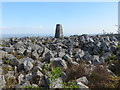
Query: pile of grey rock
[25,57]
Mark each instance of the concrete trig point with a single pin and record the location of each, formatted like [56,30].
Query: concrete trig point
[59,31]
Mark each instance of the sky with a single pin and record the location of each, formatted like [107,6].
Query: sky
[75,17]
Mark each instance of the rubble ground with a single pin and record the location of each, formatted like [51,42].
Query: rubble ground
[78,61]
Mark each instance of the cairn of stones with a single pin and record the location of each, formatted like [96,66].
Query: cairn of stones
[59,31]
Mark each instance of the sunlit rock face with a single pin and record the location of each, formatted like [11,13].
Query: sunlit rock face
[59,31]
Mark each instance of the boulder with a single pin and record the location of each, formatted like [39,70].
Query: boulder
[24,84]
[82,86]
[12,59]
[56,83]
[59,62]
[83,80]
[20,78]
[66,57]
[26,64]
[35,55]
[95,60]
[8,49]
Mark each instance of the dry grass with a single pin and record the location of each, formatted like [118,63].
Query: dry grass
[101,79]
[75,71]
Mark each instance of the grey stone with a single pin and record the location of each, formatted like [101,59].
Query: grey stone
[27,52]
[59,31]
[66,57]
[59,62]
[111,73]
[43,82]
[83,79]
[12,59]
[40,51]
[82,86]
[95,60]
[25,64]
[20,51]
[20,78]
[35,55]
[24,84]
[48,56]
[2,81]
[8,49]
[56,83]
[64,77]
[106,55]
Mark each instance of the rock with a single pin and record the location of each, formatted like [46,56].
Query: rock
[87,56]
[27,52]
[2,81]
[8,49]
[56,83]
[59,62]
[34,85]
[106,55]
[112,67]
[59,31]
[1,70]
[60,54]
[82,86]
[24,84]
[35,55]
[111,73]
[2,54]
[28,76]
[104,46]
[21,51]
[80,54]
[66,57]
[40,51]
[95,60]
[43,82]
[12,59]
[20,78]
[64,77]
[52,47]
[48,56]
[37,74]
[102,60]
[26,64]
[19,45]
[83,80]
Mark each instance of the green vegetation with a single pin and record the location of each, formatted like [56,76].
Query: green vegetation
[6,61]
[117,46]
[110,58]
[2,45]
[54,73]
[70,85]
